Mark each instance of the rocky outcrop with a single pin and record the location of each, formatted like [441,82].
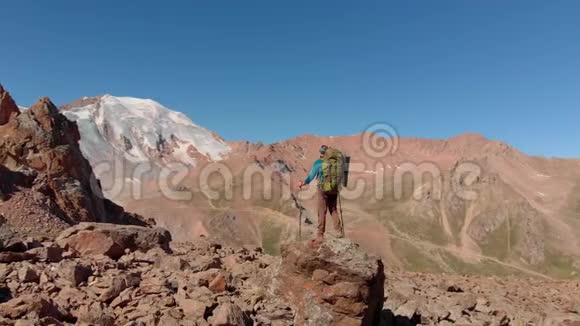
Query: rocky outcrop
[47,184]
[446,299]
[204,283]
[335,283]
[199,283]
[8,108]
[112,240]
[145,280]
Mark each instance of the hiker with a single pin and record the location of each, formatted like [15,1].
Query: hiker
[328,188]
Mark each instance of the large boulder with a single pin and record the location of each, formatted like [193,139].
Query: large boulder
[229,314]
[112,240]
[72,273]
[334,283]
[11,257]
[39,305]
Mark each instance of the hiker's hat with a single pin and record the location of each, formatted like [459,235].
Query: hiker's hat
[323,149]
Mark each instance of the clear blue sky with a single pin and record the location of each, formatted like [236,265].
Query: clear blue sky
[270,70]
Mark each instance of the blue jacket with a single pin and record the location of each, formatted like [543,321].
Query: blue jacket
[316,171]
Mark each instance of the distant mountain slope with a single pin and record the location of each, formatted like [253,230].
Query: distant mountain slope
[523,217]
[140,130]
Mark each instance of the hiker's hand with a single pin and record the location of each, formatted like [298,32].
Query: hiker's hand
[301,184]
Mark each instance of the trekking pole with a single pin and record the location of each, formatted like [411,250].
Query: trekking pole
[300,224]
[299,206]
[340,215]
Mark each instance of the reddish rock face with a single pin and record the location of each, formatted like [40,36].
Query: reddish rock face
[95,243]
[47,183]
[112,240]
[218,284]
[230,314]
[7,107]
[335,283]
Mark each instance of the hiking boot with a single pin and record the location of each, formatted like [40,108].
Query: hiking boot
[338,234]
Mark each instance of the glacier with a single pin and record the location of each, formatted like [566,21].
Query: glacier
[141,130]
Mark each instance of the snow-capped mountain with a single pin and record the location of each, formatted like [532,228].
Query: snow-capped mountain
[140,130]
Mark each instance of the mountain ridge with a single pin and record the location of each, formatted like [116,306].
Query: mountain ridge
[462,136]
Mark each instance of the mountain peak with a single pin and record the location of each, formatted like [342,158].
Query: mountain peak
[81,102]
[54,123]
[468,137]
[141,130]
[45,104]
[8,107]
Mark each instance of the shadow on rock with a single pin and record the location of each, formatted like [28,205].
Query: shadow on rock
[5,295]
[389,319]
